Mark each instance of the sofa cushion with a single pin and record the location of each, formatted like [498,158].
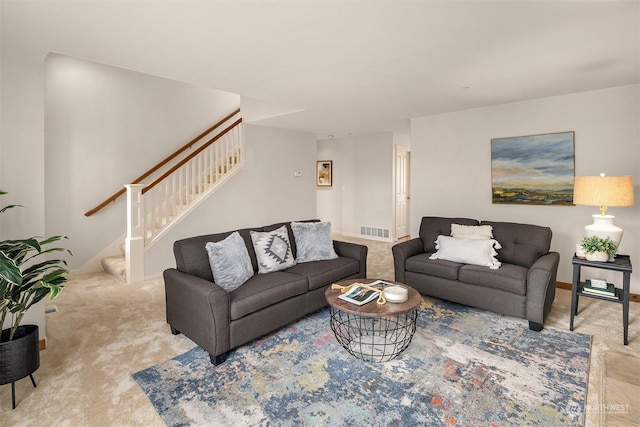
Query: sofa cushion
[229,261]
[273,250]
[511,278]
[292,238]
[472,231]
[192,257]
[433,226]
[321,273]
[467,251]
[421,263]
[313,241]
[522,244]
[264,290]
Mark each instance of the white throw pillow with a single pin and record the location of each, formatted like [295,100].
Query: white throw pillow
[230,262]
[468,251]
[472,231]
[273,250]
[313,241]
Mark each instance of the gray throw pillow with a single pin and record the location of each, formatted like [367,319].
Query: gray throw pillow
[313,241]
[230,262]
[273,250]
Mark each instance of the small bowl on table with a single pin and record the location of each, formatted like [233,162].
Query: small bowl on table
[395,294]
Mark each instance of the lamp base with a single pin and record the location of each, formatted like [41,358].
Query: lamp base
[603,227]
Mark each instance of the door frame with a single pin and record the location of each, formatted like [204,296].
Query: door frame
[404,149]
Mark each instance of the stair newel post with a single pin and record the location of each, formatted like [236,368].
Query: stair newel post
[134,243]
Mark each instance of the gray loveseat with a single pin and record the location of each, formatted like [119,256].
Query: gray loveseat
[219,321]
[523,286]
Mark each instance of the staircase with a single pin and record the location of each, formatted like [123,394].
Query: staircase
[181,184]
[116,266]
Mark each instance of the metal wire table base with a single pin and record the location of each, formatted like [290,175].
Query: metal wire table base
[373,339]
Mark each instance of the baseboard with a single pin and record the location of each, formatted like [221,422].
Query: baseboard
[567,286]
[42,344]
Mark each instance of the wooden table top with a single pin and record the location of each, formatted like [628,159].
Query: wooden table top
[372,309]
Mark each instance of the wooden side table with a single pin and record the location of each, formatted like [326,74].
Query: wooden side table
[622,264]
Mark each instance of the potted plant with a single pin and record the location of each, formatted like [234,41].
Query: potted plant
[599,249]
[26,277]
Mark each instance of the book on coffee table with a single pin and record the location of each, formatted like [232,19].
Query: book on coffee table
[359,296]
[380,284]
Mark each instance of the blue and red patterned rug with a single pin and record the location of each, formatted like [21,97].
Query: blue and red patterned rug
[464,367]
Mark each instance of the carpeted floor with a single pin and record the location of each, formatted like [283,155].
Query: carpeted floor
[464,367]
[104,331]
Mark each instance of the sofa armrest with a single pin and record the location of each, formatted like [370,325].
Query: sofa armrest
[199,309]
[401,252]
[355,251]
[541,286]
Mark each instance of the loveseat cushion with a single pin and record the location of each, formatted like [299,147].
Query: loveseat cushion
[522,244]
[435,267]
[264,290]
[433,226]
[511,278]
[468,251]
[479,232]
[321,273]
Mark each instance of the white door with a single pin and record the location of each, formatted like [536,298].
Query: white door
[403,157]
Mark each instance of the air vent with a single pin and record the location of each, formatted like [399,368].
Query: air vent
[380,232]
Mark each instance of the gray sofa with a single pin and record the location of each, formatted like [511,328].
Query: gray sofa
[219,321]
[523,286]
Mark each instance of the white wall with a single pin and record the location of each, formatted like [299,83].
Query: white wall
[451,164]
[22,145]
[104,127]
[362,191]
[266,193]
[263,193]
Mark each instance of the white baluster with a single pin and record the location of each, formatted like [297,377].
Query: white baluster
[134,243]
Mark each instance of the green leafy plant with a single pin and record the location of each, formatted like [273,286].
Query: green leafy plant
[595,244]
[26,276]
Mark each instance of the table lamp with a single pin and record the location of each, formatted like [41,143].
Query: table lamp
[603,191]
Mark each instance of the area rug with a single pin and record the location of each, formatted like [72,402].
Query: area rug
[464,367]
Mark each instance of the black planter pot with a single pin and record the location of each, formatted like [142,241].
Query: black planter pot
[19,357]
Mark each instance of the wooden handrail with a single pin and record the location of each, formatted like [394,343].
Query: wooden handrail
[172,156]
[191,156]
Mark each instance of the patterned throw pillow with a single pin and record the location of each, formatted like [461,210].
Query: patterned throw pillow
[273,250]
[230,262]
[313,241]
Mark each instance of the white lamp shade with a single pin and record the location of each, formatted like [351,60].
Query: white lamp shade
[603,191]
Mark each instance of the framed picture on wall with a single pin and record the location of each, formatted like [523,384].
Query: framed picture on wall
[324,173]
[533,170]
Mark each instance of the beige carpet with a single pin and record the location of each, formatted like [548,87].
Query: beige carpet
[104,330]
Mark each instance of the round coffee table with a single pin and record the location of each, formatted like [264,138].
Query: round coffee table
[373,332]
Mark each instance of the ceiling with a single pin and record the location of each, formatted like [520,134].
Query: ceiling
[348,67]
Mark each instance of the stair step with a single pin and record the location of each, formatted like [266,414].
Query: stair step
[116,267]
